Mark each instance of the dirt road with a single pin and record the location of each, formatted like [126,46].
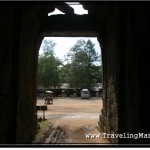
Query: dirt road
[78,116]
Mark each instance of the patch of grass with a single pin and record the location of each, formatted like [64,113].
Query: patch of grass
[44,127]
[44,124]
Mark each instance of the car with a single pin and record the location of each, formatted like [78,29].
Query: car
[85,94]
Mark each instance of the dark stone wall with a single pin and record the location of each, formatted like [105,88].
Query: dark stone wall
[133,45]
[128,103]
[142,37]
[124,51]
[19,31]
[9,72]
[108,39]
[26,119]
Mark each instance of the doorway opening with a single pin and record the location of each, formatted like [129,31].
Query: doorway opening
[66,66]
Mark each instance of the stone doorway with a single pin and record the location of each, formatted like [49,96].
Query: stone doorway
[69,121]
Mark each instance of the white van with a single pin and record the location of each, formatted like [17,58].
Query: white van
[85,93]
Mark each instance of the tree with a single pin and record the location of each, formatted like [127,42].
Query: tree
[48,73]
[96,75]
[81,62]
[64,74]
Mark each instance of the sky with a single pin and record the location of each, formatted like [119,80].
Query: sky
[78,9]
[63,44]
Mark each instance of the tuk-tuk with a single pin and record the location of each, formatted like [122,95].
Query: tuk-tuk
[48,97]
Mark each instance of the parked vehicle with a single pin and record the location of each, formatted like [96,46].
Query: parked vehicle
[85,93]
[49,97]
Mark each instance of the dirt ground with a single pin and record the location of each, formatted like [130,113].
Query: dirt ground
[78,117]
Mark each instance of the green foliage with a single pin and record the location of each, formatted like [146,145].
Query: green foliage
[48,72]
[81,68]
